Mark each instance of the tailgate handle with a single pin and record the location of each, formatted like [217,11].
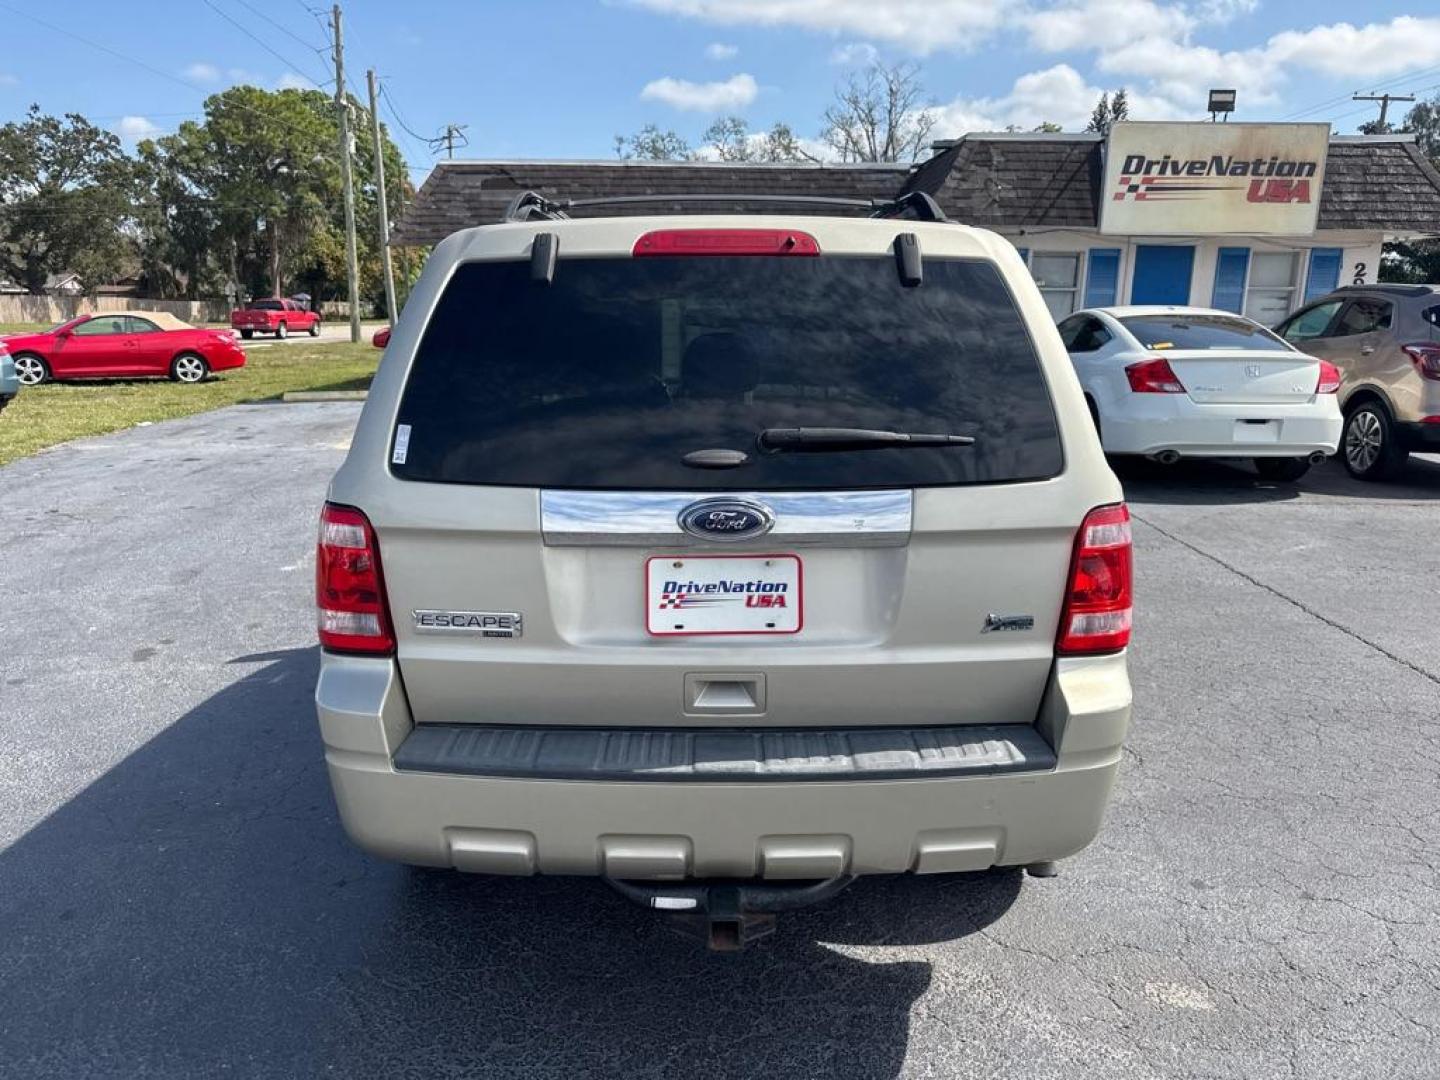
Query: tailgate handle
[725,693]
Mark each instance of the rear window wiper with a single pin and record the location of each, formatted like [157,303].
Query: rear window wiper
[819,440]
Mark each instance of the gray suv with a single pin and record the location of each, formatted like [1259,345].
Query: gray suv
[1386,341]
[725,558]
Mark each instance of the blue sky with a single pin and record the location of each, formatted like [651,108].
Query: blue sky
[562,78]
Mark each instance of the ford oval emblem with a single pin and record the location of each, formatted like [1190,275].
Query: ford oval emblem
[726,519]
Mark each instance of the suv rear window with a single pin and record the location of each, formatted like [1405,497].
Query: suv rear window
[609,375]
[1201,332]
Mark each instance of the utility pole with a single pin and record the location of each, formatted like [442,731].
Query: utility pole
[386,269]
[1384,100]
[452,132]
[347,181]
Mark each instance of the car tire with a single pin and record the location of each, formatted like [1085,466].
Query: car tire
[32,369]
[247,334]
[1369,443]
[282,332]
[1287,469]
[315,329]
[189,367]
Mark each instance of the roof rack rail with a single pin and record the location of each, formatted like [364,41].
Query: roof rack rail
[924,207]
[530,204]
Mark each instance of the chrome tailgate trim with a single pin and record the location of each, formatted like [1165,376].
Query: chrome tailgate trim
[650,518]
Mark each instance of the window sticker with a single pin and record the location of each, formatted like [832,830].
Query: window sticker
[402,444]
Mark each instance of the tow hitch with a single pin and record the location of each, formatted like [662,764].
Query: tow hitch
[727,915]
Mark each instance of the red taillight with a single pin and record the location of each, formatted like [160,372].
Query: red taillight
[1153,377]
[349,589]
[1329,382]
[1096,617]
[1426,359]
[726,242]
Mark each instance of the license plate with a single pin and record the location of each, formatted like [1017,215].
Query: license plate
[723,594]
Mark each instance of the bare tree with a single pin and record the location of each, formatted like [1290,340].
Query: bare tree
[650,143]
[732,140]
[879,115]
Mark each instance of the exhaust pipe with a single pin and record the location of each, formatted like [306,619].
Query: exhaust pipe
[1166,457]
[1317,457]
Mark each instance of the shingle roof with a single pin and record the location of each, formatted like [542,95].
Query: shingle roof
[1002,182]
[463,193]
[1379,184]
[1017,181]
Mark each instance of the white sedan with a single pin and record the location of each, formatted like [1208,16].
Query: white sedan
[1173,382]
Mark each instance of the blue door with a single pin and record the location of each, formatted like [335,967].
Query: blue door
[1162,274]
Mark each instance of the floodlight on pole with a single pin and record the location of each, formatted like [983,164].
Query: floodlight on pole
[1221,101]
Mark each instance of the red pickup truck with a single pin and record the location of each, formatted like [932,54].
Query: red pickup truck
[272,315]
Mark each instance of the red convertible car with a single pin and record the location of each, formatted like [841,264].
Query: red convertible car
[122,346]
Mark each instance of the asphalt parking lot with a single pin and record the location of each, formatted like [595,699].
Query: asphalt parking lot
[177,900]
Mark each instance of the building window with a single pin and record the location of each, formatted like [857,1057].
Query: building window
[1058,276]
[1271,295]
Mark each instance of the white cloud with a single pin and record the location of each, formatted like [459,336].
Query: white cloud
[1100,24]
[134,128]
[291,81]
[6,79]
[734,93]
[855,54]
[1403,44]
[718,50]
[240,75]
[200,71]
[1223,11]
[1058,94]
[920,25]
[1183,72]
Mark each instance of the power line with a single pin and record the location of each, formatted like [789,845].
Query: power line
[395,113]
[1381,85]
[319,50]
[260,41]
[1384,100]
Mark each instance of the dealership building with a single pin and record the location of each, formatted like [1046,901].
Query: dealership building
[1252,218]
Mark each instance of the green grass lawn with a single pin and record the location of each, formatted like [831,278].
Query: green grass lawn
[53,413]
[23,327]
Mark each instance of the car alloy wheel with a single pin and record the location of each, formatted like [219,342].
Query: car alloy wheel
[188,368]
[1364,440]
[282,331]
[30,369]
[315,329]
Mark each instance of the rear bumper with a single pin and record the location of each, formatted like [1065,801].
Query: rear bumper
[773,828]
[1421,438]
[1174,422]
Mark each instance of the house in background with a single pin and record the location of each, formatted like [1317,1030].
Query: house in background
[127,287]
[1252,218]
[66,284]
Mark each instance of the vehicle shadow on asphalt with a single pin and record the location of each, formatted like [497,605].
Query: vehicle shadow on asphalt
[198,908]
[1206,483]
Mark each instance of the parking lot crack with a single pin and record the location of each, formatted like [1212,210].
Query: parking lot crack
[1301,605]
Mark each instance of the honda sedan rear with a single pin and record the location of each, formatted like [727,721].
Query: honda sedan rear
[1173,382]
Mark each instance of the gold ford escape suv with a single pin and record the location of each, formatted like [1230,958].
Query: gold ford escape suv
[727,558]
